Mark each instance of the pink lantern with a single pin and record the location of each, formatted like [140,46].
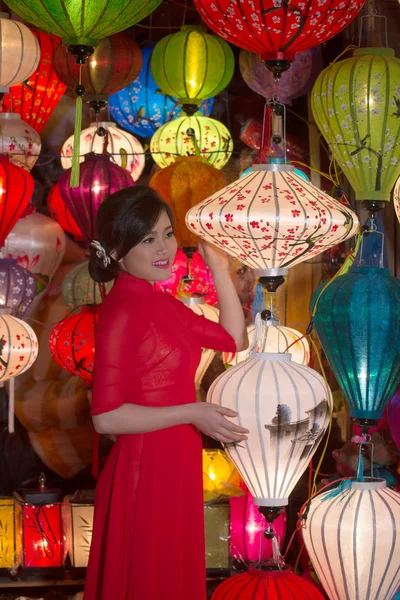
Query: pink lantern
[394,417]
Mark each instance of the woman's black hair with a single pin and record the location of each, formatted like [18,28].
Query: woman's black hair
[122,221]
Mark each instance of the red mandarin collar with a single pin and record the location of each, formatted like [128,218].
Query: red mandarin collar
[138,285]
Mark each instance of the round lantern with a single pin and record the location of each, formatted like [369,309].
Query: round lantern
[192,65]
[357,320]
[353,540]
[141,108]
[258,584]
[19,141]
[182,185]
[79,288]
[114,64]
[98,179]
[196,135]
[295,82]
[277,30]
[125,150]
[355,103]
[20,52]
[19,347]
[285,408]
[72,342]
[36,98]
[220,476]
[272,219]
[394,417]
[277,339]
[396,198]
[60,213]
[16,189]
[17,288]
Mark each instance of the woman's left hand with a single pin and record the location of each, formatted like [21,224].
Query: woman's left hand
[215,258]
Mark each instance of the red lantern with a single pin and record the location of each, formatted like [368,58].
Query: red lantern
[72,342]
[36,99]
[114,64]
[60,213]
[277,30]
[258,584]
[16,189]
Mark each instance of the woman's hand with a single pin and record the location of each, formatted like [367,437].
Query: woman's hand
[215,258]
[209,418]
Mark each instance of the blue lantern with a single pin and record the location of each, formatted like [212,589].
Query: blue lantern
[357,320]
[142,108]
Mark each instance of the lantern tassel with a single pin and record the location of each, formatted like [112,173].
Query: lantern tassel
[11,405]
[258,302]
[76,154]
[342,490]
[276,552]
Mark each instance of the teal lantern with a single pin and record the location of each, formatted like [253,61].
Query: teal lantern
[357,320]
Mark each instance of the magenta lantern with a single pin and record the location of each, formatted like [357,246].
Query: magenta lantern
[394,417]
[98,179]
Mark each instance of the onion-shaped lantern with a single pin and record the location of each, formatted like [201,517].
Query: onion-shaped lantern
[60,213]
[17,288]
[16,189]
[19,141]
[353,540]
[357,320]
[20,52]
[125,150]
[79,288]
[196,135]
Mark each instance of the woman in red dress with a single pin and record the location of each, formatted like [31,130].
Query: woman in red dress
[148,534]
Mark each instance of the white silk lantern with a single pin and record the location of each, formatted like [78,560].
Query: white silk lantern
[272,219]
[353,540]
[20,52]
[19,141]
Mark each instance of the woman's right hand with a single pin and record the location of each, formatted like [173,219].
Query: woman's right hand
[210,420]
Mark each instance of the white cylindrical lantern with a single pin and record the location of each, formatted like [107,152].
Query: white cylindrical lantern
[353,540]
[126,151]
[20,52]
[285,408]
[19,141]
[77,515]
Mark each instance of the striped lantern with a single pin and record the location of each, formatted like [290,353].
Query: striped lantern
[20,52]
[277,339]
[17,288]
[285,408]
[79,288]
[396,198]
[353,540]
[272,219]
[19,141]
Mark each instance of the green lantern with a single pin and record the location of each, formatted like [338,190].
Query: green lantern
[79,289]
[356,104]
[192,65]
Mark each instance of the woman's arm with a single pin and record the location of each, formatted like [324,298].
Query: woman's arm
[231,315]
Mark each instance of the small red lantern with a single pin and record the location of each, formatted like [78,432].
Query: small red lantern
[60,213]
[16,189]
[36,99]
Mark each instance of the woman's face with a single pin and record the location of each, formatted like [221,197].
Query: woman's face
[152,258]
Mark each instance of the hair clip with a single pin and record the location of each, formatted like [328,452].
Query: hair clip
[101,253]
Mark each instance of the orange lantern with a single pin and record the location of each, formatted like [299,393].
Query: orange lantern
[183,184]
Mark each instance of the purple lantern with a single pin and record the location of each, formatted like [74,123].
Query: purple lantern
[295,82]
[247,541]
[98,179]
[17,288]
[394,417]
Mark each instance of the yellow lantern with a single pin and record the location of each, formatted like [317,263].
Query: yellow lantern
[20,52]
[195,135]
[8,550]
[220,476]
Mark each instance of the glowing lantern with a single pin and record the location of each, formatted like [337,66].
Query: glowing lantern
[98,179]
[192,65]
[17,288]
[396,198]
[72,342]
[277,30]
[356,105]
[78,513]
[18,347]
[183,184]
[360,339]
[79,288]
[16,189]
[353,541]
[272,219]
[140,108]
[19,141]
[126,151]
[20,52]
[36,98]
[8,554]
[220,476]
[273,584]
[60,213]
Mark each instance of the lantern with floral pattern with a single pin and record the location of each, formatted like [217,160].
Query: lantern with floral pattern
[17,288]
[79,288]
[19,141]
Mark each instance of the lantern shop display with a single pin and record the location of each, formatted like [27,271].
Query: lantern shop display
[192,65]
[259,584]
[60,213]
[37,96]
[19,141]
[396,198]
[353,540]
[8,548]
[216,526]
[141,108]
[78,288]
[16,189]
[360,338]
[184,183]
[187,136]
[355,103]
[125,150]
[78,525]
[220,476]
[20,52]
[17,288]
